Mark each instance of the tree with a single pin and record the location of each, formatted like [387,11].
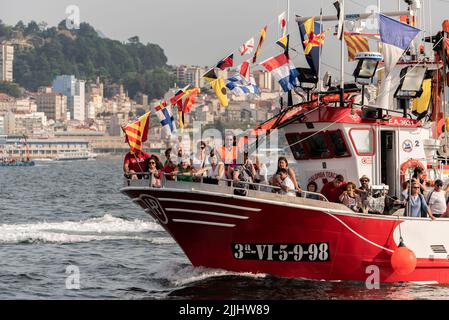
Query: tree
[10,88]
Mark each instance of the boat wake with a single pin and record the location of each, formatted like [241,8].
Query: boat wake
[94,229]
[181,275]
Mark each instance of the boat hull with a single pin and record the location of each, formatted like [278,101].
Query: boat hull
[260,236]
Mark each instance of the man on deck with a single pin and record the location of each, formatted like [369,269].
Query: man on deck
[332,190]
[135,163]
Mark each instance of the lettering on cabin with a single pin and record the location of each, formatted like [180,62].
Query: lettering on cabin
[401,122]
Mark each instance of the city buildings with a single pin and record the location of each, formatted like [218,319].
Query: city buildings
[74,89]
[54,105]
[6,62]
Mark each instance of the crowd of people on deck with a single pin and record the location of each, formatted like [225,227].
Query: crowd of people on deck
[212,166]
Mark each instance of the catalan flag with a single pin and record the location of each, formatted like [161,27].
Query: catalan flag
[263,33]
[356,44]
[137,133]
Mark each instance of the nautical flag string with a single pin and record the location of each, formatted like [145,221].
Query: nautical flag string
[245,70]
[312,39]
[263,33]
[239,86]
[284,43]
[356,44]
[396,38]
[226,63]
[341,19]
[166,118]
[247,47]
[137,133]
[282,21]
[282,70]
[219,86]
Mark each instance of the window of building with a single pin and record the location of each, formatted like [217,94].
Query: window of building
[363,141]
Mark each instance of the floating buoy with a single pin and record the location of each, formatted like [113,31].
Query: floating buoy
[403,260]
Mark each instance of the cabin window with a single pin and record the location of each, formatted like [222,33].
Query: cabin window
[338,144]
[322,145]
[298,150]
[363,141]
[317,145]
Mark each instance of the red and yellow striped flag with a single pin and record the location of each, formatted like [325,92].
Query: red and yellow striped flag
[356,44]
[137,132]
[263,33]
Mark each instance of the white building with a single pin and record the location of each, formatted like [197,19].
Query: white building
[6,62]
[74,89]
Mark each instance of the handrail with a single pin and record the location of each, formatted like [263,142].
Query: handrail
[234,185]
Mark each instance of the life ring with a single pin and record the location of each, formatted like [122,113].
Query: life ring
[412,163]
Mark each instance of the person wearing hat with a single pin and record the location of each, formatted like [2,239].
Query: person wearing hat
[363,191]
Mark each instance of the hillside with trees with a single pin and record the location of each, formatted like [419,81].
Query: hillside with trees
[41,53]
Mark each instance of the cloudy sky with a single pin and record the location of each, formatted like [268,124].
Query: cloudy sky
[198,32]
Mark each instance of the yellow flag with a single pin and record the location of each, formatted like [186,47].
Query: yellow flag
[219,87]
[422,103]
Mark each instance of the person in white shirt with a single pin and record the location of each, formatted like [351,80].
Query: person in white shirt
[287,185]
[437,199]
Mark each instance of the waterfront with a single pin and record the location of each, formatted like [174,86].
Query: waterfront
[56,215]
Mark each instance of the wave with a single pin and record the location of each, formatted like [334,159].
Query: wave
[184,274]
[94,229]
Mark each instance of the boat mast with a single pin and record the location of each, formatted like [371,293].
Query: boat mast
[342,56]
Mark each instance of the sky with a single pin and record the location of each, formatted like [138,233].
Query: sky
[199,32]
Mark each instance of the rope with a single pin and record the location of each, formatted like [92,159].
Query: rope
[357,234]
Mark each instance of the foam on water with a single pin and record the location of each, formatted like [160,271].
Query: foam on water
[94,229]
[182,275]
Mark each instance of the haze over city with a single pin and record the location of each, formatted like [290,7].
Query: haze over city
[196,32]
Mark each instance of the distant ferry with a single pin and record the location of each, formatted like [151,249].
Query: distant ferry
[74,155]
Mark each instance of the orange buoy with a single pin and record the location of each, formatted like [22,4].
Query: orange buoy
[403,260]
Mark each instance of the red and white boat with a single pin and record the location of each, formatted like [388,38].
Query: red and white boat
[300,237]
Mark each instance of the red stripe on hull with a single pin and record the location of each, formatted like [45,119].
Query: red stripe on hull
[349,254]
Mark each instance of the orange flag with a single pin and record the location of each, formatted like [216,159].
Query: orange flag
[263,33]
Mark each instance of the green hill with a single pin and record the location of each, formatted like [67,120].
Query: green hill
[42,53]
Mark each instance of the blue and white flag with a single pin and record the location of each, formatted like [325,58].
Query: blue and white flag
[239,86]
[396,38]
[166,119]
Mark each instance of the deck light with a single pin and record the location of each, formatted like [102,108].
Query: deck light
[307,80]
[366,69]
[412,79]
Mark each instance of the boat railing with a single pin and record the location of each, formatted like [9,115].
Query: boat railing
[148,179]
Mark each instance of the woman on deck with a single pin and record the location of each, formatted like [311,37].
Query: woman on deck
[276,179]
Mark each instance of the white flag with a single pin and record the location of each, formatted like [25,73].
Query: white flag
[247,47]
[282,20]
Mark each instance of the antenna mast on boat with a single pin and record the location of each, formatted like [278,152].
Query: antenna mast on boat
[342,54]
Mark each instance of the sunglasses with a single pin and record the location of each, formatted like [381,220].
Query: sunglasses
[415,187]
[152,162]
